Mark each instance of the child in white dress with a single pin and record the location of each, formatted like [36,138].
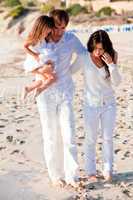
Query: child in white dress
[38,56]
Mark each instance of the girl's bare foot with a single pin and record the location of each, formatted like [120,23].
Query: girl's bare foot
[38,91]
[25,93]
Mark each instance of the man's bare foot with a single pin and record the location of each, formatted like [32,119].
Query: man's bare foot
[107,176]
[73,184]
[59,183]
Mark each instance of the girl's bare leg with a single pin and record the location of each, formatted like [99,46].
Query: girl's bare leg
[31,87]
[47,78]
[45,83]
[46,68]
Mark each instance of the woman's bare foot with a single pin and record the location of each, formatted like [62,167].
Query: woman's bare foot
[92,178]
[59,183]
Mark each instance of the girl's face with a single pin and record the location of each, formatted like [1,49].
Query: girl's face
[46,32]
[98,50]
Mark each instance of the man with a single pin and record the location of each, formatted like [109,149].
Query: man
[55,107]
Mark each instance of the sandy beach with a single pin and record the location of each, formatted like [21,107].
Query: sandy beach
[23,173]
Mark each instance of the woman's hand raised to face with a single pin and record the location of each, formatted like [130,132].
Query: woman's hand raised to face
[107,58]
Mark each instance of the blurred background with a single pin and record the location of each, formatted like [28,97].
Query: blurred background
[18,13]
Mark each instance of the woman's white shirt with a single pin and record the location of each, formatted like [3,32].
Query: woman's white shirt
[98,88]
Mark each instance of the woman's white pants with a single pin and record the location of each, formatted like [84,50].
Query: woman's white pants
[105,115]
[57,121]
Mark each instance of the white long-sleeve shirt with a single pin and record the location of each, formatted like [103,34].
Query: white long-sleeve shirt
[64,49]
[98,88]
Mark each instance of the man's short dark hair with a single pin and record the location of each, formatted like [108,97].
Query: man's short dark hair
[59,16]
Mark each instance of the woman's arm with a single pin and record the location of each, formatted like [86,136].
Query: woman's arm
[114,73]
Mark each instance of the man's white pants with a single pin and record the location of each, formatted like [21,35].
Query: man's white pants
[106,115]
[57,121]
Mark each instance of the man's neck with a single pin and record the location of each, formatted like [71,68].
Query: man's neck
[56,39]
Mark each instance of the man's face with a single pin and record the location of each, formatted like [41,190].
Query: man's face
[58,31]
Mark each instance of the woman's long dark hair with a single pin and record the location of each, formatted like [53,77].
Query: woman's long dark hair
[102,37]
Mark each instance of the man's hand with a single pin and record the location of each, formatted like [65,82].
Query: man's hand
[46,68]
[50,64]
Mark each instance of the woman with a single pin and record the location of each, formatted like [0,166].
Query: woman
[101,73]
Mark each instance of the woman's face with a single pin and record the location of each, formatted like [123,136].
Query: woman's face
[98,50]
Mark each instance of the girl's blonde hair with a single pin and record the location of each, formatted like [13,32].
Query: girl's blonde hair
[41,24]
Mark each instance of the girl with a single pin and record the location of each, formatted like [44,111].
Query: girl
[100,73]
[38,56]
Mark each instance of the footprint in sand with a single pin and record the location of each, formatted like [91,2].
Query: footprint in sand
[9,138]
[2,126]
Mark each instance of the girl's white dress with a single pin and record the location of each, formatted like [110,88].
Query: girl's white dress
[46,54]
